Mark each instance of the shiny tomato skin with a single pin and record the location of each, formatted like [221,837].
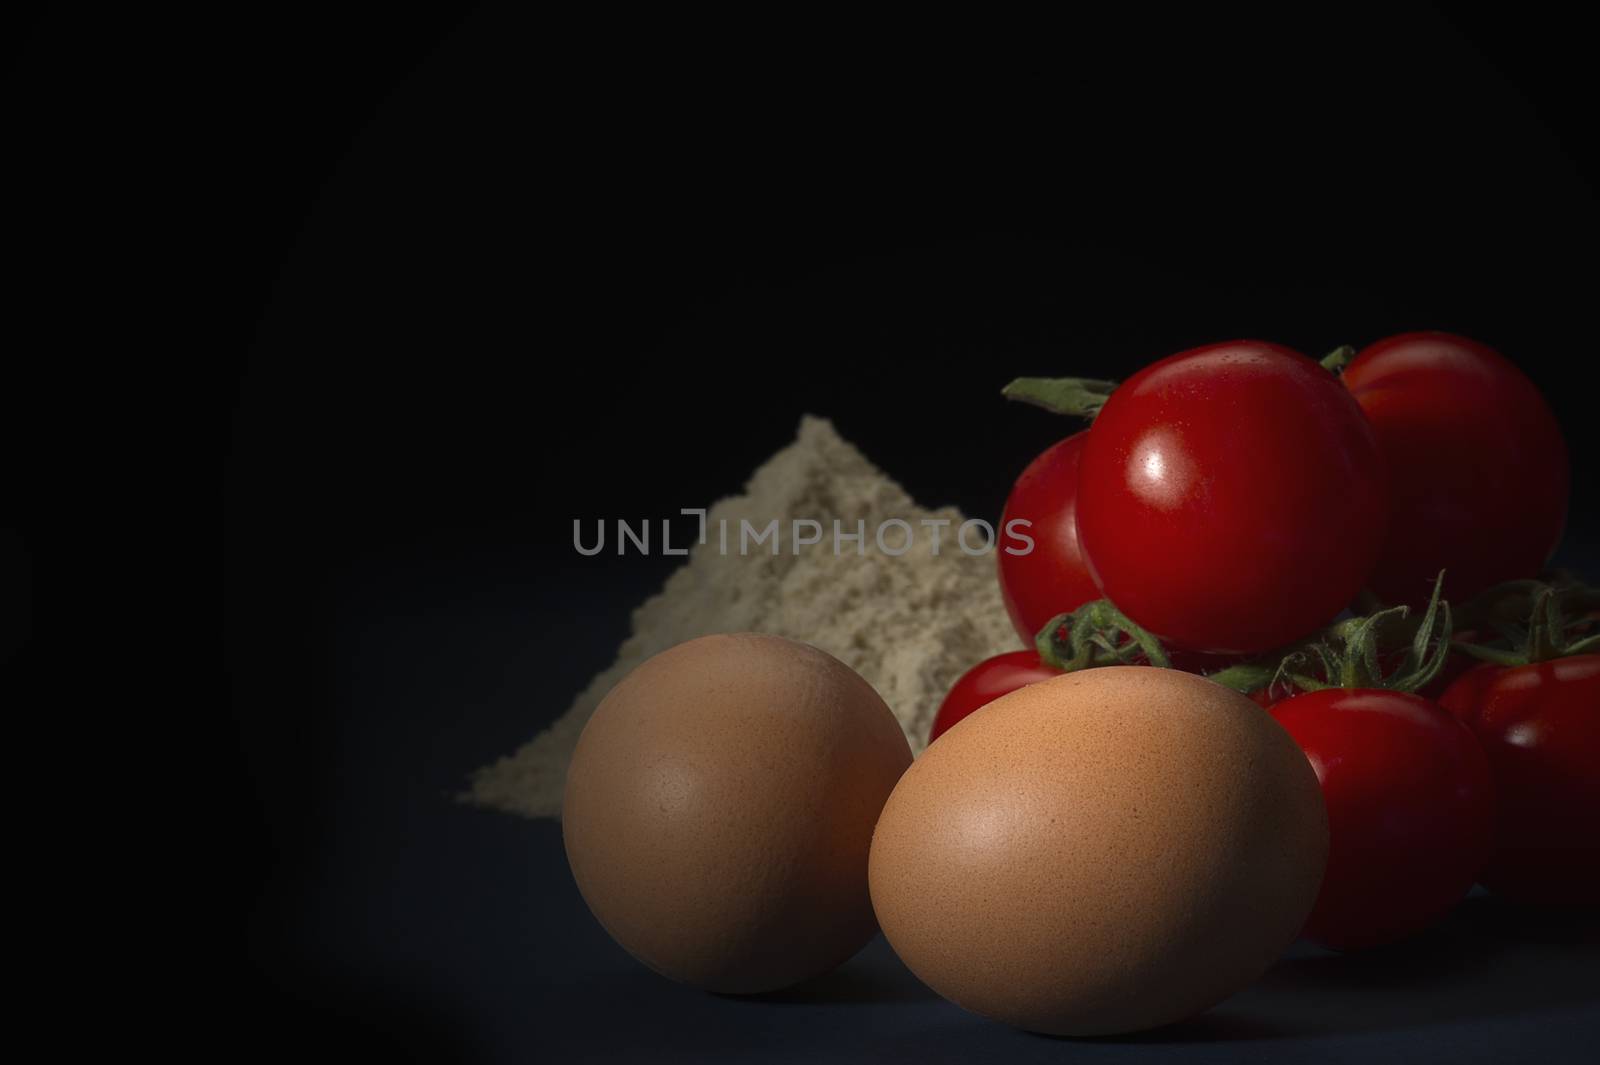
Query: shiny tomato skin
[1231,498]
[1410,811]
[1052,578]
[1539,725]
[1478,472]
[986,682]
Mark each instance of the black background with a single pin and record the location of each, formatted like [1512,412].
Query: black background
[462,278]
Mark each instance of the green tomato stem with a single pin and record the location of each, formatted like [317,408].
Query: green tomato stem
[1096,634]
[1081,397]
[1336,360]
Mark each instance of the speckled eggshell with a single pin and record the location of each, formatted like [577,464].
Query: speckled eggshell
[1103,852]
[719,810]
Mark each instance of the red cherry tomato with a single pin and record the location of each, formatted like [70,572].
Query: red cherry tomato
[1410,811]
[986,682]
[1540,727]
[1052,578]
[1478,472]
[1266,698]
[1231,498]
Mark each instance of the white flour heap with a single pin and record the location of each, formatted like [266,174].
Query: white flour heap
[910,624]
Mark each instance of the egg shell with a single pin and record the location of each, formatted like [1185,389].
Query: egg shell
[1103,852]
[719,809]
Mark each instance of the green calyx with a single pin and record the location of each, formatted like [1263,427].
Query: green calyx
[1336,360]
[1347,654]
[1534,621]
[1097,634]
[1081,397]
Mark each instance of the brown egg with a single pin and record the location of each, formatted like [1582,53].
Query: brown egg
[719,810]
[1103,852]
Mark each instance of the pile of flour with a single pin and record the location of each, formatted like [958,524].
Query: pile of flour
[910,624]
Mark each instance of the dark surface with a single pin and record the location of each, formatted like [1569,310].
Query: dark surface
[468,277]
[459,930]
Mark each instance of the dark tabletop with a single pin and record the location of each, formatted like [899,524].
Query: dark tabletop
[458,934]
